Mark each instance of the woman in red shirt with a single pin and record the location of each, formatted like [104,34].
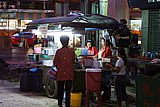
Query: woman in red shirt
[92,50]
[104,52]
[64,61]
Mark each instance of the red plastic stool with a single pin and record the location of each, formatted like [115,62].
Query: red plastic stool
[87,97]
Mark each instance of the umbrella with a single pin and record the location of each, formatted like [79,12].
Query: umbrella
[86,21]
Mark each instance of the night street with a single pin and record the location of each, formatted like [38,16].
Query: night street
[79,53]
[11,96]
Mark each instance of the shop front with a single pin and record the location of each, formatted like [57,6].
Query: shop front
[150,24]
[16,19]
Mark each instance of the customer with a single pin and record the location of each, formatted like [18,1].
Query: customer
[120,81]
[92,50]
[104,52]
[123,36]
[64,61]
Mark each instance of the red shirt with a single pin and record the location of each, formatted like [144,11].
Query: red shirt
[92,50]
[106,53]
[64,61]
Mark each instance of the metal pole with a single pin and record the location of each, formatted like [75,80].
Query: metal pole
[8,23]
[86,6]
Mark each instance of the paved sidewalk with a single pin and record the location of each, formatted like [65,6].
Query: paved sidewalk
[11,96]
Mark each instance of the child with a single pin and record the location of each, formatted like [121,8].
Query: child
[120,81]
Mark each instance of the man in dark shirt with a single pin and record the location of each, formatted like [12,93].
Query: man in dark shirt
[123,35]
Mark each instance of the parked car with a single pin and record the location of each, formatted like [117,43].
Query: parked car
[31,38]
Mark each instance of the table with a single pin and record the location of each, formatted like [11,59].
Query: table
[152,69]
[137,65]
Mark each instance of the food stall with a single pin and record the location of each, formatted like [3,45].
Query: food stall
[75,26]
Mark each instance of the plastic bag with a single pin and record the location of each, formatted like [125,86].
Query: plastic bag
[52,72]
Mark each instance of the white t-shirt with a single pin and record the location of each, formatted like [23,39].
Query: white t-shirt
[120,63]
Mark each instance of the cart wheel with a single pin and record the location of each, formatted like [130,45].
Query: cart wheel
[51,88]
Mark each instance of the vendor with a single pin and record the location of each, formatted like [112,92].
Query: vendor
[92,50]
[105,52]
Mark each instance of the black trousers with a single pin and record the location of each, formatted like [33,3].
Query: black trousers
[64,86]
[105,85]
[120,87]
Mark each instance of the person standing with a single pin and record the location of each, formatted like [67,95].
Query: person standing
[92,50]
[123,36]
[105,52]
[120,81]
[64,61]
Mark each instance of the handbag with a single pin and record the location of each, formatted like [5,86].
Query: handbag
[52,72]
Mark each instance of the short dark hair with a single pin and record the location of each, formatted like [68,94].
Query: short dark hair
[89,41]
[64,40]
[121,51]
[124,21]
[106,41]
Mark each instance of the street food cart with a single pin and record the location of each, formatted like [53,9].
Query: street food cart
[76,23]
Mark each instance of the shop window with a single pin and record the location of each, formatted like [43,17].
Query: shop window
[30,16]
[22,16]
[24,4]
[38,5]
[49,5]
[39,15]
[74,6]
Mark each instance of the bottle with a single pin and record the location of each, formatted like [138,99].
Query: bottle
[83,51]
[78,51]
[86,51]
[64,97]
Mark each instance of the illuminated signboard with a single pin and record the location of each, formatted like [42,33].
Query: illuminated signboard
[144,4]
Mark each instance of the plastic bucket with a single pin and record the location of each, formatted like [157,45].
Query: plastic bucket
[93,79]
[76,99]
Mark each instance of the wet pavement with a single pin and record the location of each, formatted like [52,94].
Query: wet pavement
[11,96]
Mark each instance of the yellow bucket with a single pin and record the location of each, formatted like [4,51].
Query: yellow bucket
[76,99]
